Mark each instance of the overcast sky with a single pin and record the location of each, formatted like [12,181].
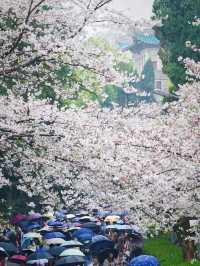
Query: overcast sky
[136,9]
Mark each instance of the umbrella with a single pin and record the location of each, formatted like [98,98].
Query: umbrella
[69,260]
[54,235]
[34,216]
[18,258]
[70,216]
[45,229]
[72,252]
[56,250]
[82,213]
[112,219]
[86,219]
[72,243]
[3,252]
[101,243]
[99,238]
[119,227]
[55,223]
[120,222]
[83,234]
[39,255]
[17,218]
[55,241]
[33,226]
[32,235]
[144,260]
[83,231]
[38,262]
[93,226]
[73,229]
[29,250]
[9,247]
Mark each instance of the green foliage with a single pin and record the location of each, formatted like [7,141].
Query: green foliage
[166,252]
[176,28]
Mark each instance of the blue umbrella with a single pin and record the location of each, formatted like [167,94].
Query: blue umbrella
[54,235]
[144,260]
[83,234]
[33,226]
[55,223]
[85,237]
[83,231]
[100,243]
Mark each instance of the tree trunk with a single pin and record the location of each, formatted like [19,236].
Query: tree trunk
[188,248]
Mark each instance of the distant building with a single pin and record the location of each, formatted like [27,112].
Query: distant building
[145,46]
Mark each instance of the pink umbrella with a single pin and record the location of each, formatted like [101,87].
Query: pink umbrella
[18,258]
[17,218]
[34,216]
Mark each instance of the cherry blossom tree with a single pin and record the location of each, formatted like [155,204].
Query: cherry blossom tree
[39,36]
[145,159]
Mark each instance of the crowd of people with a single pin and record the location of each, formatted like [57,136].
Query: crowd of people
[80,239]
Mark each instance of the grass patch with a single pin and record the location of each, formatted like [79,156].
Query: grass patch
[166,252]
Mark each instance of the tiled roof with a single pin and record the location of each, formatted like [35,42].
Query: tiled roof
[148,39]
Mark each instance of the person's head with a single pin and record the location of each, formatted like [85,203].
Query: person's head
[95,260]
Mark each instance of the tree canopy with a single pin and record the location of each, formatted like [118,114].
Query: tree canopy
[174,30]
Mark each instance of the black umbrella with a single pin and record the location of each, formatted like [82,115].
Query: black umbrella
[39,256]
[70,260]
[57,250]
[9,247]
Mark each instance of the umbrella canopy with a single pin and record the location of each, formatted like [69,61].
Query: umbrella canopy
[32,235]
[119,227]
[93,226]
[82,213]
[86,219]
[54,235]
[144,260]
[33,226]
[38,262]
[55,241]
[112,219]
[18,258]
[9,247]
[17,218]
[55,223]
[83,234]
[83,231]
[72,243]
[39,256]
[72,252]
[70,216]
[45,229]
[3,252]
[56,250]
[69,260]
[100,243]
[34,216]
[99,238]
